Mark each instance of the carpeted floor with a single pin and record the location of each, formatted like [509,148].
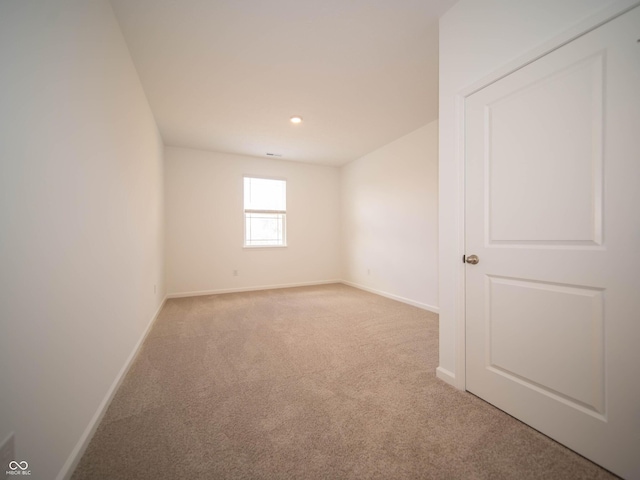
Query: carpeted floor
[325,382]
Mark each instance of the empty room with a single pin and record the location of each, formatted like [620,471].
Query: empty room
[319,240]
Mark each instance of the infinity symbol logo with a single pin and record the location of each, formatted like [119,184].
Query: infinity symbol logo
[13,465]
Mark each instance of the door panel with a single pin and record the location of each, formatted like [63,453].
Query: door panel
[553,212]
[561,318]
[545,184]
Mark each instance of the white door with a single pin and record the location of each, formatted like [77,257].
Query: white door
[553,213]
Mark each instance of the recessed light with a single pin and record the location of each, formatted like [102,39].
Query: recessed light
[296,119]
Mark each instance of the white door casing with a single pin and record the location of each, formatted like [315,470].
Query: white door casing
[552,209]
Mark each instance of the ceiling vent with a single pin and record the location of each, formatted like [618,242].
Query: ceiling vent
[274,154]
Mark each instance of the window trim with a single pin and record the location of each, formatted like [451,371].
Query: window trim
[245,211]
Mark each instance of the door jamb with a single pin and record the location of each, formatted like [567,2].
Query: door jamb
[591,23]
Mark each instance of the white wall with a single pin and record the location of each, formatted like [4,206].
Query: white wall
[390,218]
[204,223]
[478,37]
[80,218]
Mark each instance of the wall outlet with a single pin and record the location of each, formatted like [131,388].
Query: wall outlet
[7,452]
[368,271]
[235,273]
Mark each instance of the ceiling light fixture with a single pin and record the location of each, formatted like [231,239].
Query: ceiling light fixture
[296,119]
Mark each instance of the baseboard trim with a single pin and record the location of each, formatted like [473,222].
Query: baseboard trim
[249,289]
[408,301]
[77,452]
[446,376]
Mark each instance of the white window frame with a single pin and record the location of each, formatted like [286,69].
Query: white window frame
[245,211]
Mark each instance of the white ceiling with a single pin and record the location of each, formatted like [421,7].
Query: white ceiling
[226,75]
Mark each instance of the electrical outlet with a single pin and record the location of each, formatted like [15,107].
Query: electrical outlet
[235,273]
[368,271]
[7,452]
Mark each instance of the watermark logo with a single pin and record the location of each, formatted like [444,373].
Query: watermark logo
[18,468]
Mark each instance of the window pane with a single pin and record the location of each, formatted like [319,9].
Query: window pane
[264,229]
[265,194]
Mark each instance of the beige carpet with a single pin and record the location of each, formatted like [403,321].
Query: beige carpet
[324,382]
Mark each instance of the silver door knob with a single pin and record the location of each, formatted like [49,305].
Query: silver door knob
[473,259]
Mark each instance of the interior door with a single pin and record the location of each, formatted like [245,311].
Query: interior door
[553,215]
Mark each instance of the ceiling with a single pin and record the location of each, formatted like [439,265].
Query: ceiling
[226,75]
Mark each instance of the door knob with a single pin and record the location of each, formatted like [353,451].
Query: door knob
[473,259]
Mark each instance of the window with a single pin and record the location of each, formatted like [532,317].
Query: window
[265,212]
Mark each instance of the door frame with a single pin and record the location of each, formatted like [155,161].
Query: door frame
[598,19]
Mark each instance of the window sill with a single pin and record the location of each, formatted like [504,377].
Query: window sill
[254,247]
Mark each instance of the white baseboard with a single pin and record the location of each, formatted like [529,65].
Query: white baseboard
[408,301]
[77,452]
[249,289]
[446,376]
